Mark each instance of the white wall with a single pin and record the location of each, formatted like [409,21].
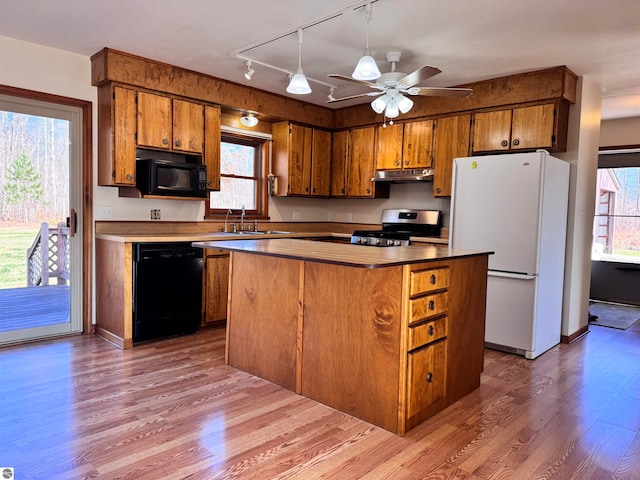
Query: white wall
[621,131]
[582,153]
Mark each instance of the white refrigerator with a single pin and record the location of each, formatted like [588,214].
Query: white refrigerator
[515,205]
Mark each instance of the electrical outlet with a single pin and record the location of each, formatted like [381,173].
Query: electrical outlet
[296,214]
[155,214]
[106,212]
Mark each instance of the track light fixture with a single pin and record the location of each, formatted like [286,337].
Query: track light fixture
[250,70]
[330,96]
[366,69]
[299,84]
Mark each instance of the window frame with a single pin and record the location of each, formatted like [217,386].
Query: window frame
[263,155]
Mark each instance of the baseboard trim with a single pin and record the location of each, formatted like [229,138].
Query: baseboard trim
[575,335]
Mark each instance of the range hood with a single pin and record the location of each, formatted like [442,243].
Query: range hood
[404,176]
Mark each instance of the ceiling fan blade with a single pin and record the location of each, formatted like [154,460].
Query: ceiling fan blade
[370,94]
[419,75]
[445,92]
[350,79]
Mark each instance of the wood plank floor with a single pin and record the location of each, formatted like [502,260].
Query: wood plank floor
[80,408]
[31,307]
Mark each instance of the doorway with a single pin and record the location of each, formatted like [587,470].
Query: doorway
[41,180]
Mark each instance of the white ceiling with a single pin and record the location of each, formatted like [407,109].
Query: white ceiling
[469,40]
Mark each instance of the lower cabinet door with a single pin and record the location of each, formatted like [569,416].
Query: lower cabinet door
[426,377]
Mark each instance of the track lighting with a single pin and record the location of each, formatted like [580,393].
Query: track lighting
[330,96]
[366,69]
[299,84]
[250,70]
[249,120]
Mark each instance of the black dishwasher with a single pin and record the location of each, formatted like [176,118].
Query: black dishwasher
[167,289]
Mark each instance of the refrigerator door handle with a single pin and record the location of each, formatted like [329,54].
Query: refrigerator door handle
[518,276]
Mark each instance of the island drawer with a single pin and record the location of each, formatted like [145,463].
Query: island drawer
[425,281]
[428,306]
[426,377]
[427,332]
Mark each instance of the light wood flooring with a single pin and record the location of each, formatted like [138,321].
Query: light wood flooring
[81,408]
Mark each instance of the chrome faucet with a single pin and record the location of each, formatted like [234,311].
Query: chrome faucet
[227,218]
[242,219]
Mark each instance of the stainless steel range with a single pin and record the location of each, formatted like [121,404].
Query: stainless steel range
[398,225]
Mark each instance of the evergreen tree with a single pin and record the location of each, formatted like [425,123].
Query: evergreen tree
[23,185]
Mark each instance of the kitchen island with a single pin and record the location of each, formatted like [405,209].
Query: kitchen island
[388,335]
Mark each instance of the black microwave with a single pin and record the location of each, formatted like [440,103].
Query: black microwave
[165,177]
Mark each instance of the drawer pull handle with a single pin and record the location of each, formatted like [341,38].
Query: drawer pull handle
[429,377]
[432,305]
[431,330]
[432,279]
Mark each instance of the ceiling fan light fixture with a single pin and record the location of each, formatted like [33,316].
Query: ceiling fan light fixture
[380,103]
[299,84]
[249,120]
[404,104]
[392,110]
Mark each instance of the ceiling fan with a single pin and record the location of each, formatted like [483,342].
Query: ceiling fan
[392,85]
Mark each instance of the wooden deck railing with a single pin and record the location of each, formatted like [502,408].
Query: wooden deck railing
[48,256]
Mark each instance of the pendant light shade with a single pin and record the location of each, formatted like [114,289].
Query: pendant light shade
[299,84]
[366,69]
[379,104]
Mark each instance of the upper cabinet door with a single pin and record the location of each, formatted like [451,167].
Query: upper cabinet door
[360,169]
[300,139]
[492,131]
[321,163]
[418,144]
[389,147]
[212,146]
[453,135]
[154,121]
[188,126]
[533,127]
[339,159]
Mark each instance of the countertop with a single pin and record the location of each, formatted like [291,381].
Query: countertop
[214,236]
[341,254]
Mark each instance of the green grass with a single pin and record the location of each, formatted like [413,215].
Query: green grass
[14,242]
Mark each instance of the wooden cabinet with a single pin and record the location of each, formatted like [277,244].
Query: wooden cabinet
[321,163]
[129,119]
[116,136]
[452,139]
[406,145]
[427,339]
[522,128]
[215,286]
[169,123]
[417,145]
[352,165]
[389,147]
[211,156]
[360,166]
[339,161]
[302,160]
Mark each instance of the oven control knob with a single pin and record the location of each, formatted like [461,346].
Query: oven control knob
[361,240]
[396,242]
[376,241]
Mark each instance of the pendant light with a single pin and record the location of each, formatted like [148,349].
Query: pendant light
[366,69]
[298,84]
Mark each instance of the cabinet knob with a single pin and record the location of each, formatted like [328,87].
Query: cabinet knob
[315,190]
[429,377]
[431,330]
[342,190]
[432,305]
[504,143]
[432,279]
[165,141]
[178,143]
[368,190]
[209,182]
[406,162]
[306,189]
[438,190]
[516,141]
[397,163]
[129,176]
